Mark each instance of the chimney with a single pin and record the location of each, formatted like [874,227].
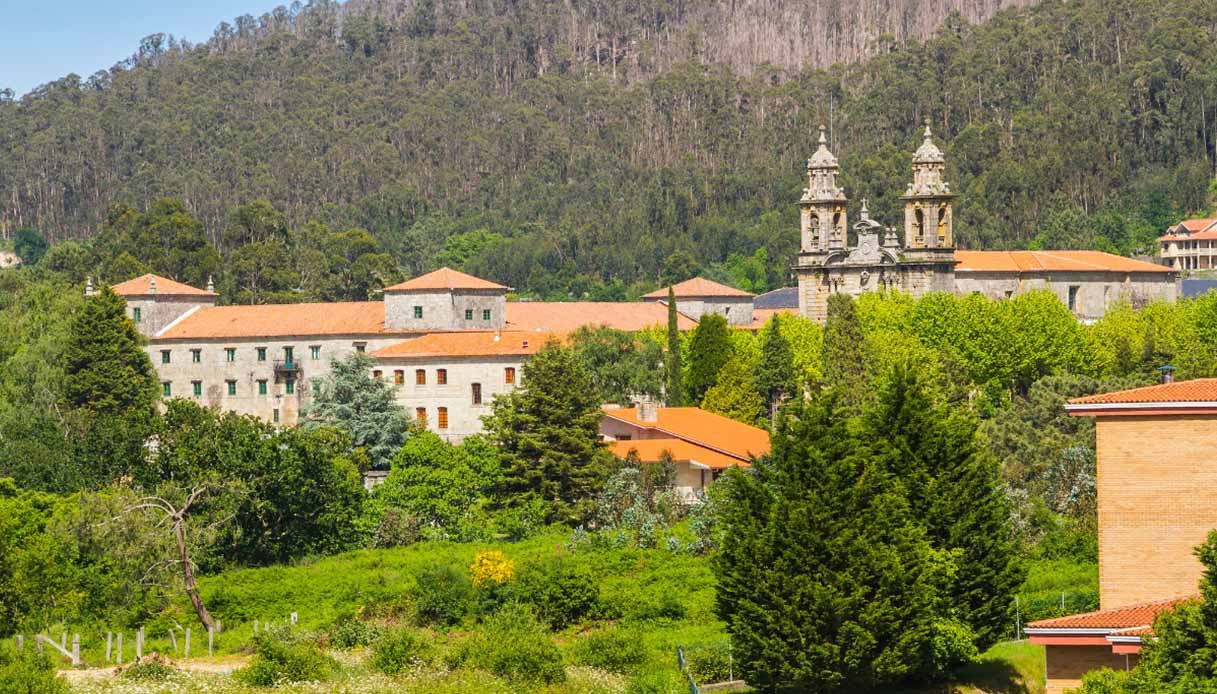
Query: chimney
[1168,373]
[152,286]
[647,410]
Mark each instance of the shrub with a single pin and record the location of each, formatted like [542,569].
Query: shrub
[615,650]
[561,592]
[662,606]
[398,651]
[443,595]
[953,644]
[658,682]
[710,663]
[28,674]
[350,632]
[491,567]
[151,668]
[278,661]
[514,645]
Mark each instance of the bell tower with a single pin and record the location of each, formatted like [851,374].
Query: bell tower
[928,216]
[822,208]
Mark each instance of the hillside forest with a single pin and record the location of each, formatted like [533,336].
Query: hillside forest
[597,150]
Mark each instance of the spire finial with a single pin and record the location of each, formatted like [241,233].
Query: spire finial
[211,285]
[865,212]
[823,137]
[928,134]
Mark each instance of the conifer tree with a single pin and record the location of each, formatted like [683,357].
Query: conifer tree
[735,394]
[673,366]
[364,406]
[843,364]
[774,374]
[110,390]
[825,579]
[708,352]
[548,433]
[952,484]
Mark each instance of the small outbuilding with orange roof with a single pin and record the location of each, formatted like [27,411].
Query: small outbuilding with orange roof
[699,296]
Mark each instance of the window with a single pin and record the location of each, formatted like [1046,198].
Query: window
[315,351]
[287,355]
[420,377]
[399,377]
[377,373]
[274,414]
[196,387]
[167,389]
[232,387]
[289,386]
[441,376]
[420,414]
[468,314]
[261,354]
[262,387]
[418,311]
[442,418]
[509,375]
[1073,297]
[196,355]
[230,354]
[137,315]
[1009,293]
[477,393]
[361,347]
[164,356]
[485,314]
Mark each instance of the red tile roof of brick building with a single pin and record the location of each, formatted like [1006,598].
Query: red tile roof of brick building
[466,344]
[444,279]
[279,320]
[698,287]
[569,316]
[1052,261]
[1196,391]
[142,286]
[703,428]
[1118,619]
[652,450]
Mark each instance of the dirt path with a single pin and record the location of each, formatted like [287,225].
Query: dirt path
[213,666]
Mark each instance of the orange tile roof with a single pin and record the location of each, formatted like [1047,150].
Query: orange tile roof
[1200,390]
[1052,261]
[569,316]
[1119,619]
[466,344]
[703,428]
[761,316]
[279,320]
[142,286]
[652,450]
[1197,224]
[1196,236]
[444,279]
[695,288]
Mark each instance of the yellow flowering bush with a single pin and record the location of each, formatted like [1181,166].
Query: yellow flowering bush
[492,567]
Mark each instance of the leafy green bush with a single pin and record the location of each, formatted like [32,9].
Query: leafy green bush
[514,645]
[561,592]
[710,662]
[349,632]
[148,671]
[398,651]
[28,674]
[953,644]
[444,595]
[277,661]
[651,606]
[615,650]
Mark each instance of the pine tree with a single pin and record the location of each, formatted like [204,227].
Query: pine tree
[774,376]
[825,579]
[843,365]
[548,433]
[673,365]
[110,391]
[952,485]
[352,399]
[708,352]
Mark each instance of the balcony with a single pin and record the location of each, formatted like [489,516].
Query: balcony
[286,369]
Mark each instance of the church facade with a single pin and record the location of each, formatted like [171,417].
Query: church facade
[920,257]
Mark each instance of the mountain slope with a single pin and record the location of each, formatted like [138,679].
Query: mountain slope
[1068,124]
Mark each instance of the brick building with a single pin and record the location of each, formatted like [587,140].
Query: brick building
[1155,470]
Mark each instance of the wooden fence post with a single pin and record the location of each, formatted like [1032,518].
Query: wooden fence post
[120,648]
[255,626]
[139,644]
[293,618]
[38,642]
[173,640]
[76,649]
[63,640]
[210,640]
[109,644]
[219,627]
[20,643]
[187,642]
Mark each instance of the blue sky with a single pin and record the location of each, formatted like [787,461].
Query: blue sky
[41,41]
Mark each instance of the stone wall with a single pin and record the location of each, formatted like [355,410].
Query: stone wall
[464,417]
[444,310]
[736,309]
[1095,291]
[1155,482]
[158,311]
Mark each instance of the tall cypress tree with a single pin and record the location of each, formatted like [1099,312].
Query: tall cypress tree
[674,366]
[774,374]
[110,391]
[709,350]
[825,579]
[952,485]
[843,365]
[548,433]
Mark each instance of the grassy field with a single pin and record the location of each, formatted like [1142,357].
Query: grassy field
[666,598]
